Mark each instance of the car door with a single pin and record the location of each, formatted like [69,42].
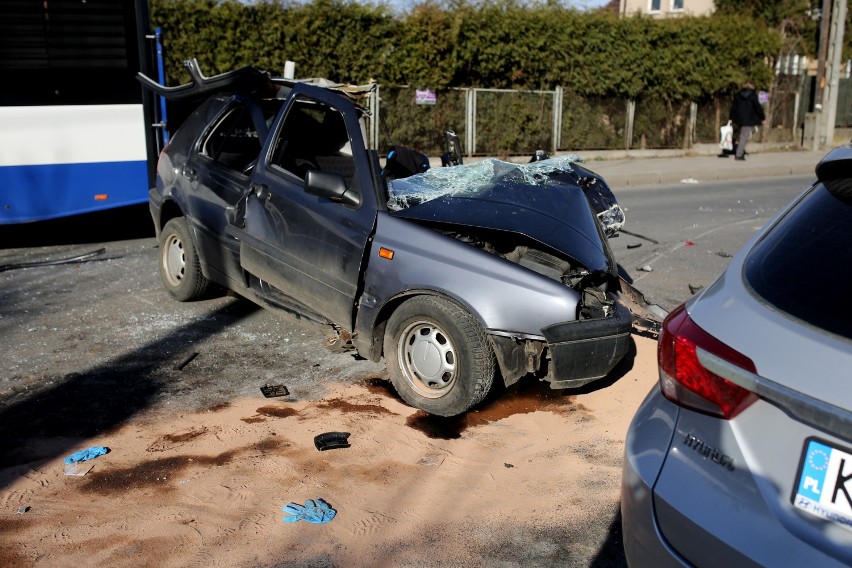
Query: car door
[218,171]
[309,247]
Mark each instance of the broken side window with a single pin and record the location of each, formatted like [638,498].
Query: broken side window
[233,142]
[314,137]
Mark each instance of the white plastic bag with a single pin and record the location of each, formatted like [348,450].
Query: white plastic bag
[727,137]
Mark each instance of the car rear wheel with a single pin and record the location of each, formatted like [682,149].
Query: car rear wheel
[438,357]
[180,268]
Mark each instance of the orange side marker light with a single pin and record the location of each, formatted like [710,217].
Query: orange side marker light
[386,253]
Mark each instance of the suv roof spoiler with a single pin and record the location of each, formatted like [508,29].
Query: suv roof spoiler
[836,164]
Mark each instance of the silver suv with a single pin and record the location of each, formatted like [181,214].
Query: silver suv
[742,456]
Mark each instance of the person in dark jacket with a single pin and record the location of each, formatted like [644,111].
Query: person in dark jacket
[746,113]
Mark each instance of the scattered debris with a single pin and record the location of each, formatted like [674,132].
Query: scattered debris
[272,391]
[634,245]
[723,254]
[87,454]
[688,244]
[186,360]
[637,235]
[341,341]
[314,511]
[694,289]
[69,260]
[331,440]
[689,180]
[431,460]
[647,327]
[647,317]
[508,465]
[646,268]
[78,469]
[24,509]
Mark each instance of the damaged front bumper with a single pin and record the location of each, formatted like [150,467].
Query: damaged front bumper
[585,350]
[574,353]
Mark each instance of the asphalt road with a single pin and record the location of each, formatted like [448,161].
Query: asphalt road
[78,329]
[89,345]
[697,227]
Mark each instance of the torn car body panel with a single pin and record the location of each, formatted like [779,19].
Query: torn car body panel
[551,205]
[555,212]
[524,310]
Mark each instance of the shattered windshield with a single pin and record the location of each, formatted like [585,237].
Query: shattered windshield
[470,180]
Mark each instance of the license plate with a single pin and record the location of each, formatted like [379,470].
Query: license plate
[824,484]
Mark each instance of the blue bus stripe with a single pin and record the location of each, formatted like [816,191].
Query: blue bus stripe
[36,193]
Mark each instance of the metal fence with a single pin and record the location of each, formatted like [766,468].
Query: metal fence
[502,122]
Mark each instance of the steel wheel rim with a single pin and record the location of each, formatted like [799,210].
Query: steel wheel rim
[174,260]
[428,359]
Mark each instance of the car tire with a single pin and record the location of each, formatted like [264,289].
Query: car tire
[180,268]
[455,364]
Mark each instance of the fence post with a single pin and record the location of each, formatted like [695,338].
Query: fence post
[631,113]
[470,121]
[557,119]
[797,100]
[689,139]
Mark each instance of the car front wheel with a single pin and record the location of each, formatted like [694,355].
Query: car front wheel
[438,357]
[180,268]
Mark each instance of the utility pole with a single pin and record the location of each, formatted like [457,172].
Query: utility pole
[832,26]
[832,75]
[824,26]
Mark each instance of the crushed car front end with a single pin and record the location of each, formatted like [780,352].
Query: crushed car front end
[522,248]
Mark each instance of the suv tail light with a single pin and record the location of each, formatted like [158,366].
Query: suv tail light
[686,382]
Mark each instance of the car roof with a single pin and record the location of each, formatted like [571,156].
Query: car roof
[247,80]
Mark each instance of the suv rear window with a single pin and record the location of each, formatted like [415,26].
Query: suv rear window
[803,266]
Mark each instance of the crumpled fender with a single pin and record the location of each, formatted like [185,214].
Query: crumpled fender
[505,298]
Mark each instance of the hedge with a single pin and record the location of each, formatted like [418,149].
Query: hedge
[491,44]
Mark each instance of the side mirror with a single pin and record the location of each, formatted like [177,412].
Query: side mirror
[331,186]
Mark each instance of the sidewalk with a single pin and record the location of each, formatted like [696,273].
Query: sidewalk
[690,169]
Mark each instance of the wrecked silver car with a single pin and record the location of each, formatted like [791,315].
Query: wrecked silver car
[456,276]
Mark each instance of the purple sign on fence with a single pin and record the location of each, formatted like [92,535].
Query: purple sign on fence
[425,97]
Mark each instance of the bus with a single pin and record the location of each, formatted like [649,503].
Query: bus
[78,133]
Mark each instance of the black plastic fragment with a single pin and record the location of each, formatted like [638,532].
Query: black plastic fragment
[695,288]
[186,360]
[271,391]
[638,236]
[331,440]
[634,245]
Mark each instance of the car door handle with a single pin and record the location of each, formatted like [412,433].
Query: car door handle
[190,174]
[261,190]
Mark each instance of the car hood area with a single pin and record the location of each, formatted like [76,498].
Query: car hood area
[553,202]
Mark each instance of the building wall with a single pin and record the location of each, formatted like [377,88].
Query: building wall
[666,8]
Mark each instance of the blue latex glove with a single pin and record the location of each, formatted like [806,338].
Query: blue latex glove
[86,455]
[316,511]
